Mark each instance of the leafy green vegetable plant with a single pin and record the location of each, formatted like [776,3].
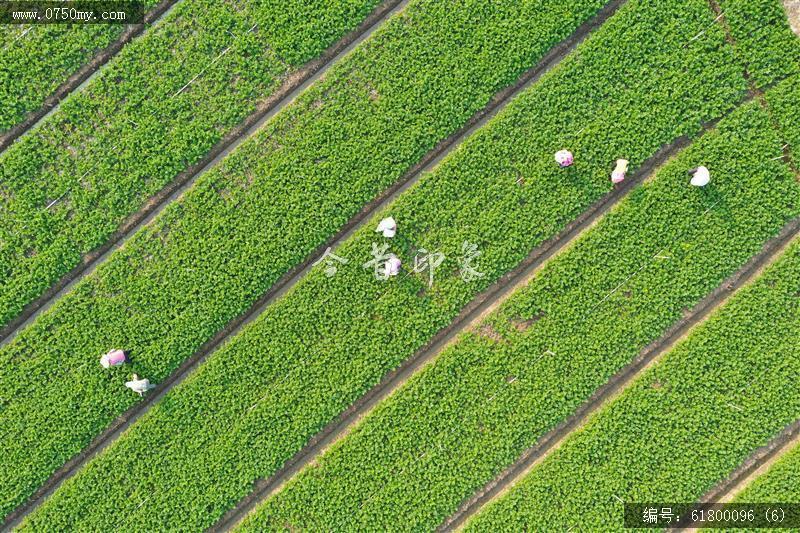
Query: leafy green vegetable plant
[38,58]
[683,426]
[585,315]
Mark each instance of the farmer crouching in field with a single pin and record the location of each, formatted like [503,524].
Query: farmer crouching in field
[139,386]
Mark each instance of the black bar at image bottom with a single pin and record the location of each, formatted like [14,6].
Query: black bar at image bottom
[700,515]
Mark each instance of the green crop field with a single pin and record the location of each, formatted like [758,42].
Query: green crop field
[40,58]
[778,483]
[156,109]
[553,344]
[683,424]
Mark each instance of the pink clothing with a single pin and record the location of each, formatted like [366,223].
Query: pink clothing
[112,358]
[393,266]
[618,175]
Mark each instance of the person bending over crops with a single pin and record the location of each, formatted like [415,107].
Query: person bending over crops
[139,386]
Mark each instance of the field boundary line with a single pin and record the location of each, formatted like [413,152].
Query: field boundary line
[470,315]
[295,84]
[621,380]
[752,467]
[83,75]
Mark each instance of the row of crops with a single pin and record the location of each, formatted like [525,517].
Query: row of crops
[584,316]
[263,395]
[686,424]
[754,22]
[153,111]
[39,58]
[650,75]
[220,247]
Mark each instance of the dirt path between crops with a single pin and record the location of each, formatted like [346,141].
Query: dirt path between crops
[754,466]
[82,76]
[471,313]
[468,319]
[295,84]
[793,14]
[615,386]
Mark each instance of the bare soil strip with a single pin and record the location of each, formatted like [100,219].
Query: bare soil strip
[475,309]
[469,317]
[793,14]
[83,74]
[756,464]
[622,379]
[291,88]
[648,357]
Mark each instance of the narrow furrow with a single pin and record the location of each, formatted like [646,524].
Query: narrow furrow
[754,466]
[480,185]
[429,159]
[467,318]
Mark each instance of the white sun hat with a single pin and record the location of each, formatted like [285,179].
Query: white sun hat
[700,177]
[388,227]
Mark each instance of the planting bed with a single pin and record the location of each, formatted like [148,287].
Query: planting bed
[553,345]
[151,114]
[39,59]
[683,425]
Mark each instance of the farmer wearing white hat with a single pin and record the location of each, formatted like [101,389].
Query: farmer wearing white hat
[700,176]
[139,386]
[618,175]
[388,227]
[113,358]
